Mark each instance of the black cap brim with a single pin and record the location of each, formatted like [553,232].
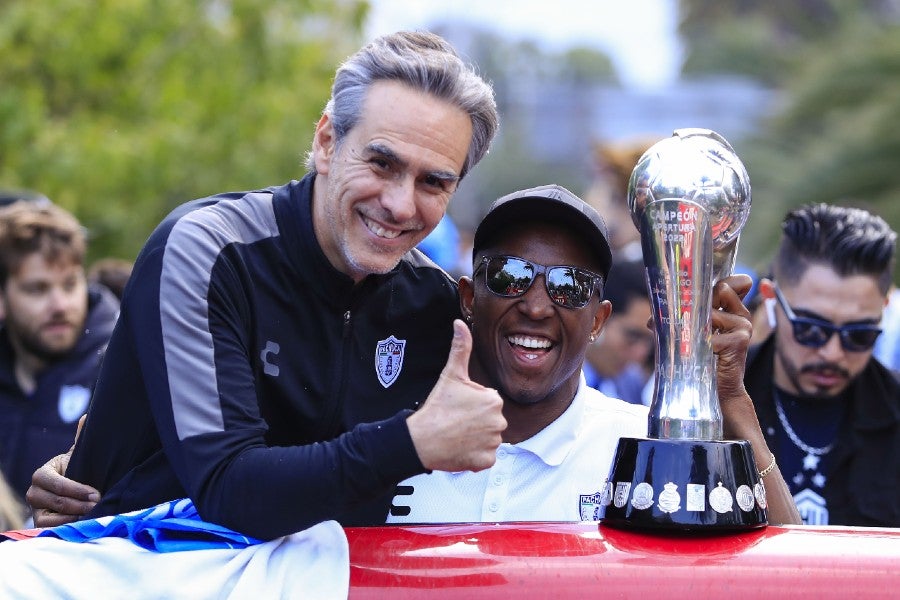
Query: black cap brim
[550,203]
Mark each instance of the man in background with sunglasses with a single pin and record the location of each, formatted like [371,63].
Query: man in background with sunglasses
[830,411]
[534,302]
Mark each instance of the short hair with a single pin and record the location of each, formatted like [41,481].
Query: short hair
[851,241]
[112,273]
[425,62]
[626,282]
[27,228]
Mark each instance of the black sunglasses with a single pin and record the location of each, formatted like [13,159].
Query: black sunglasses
[511,277]
[815,333]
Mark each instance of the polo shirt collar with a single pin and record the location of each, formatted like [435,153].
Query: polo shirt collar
[553,443]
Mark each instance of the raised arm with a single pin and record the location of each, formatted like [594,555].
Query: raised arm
[731,340]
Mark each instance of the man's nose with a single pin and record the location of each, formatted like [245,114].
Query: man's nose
[832,349]
[399,198]
[60,299]
[536,302]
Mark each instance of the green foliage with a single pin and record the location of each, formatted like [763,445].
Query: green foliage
[836,66]
[119,110]
[587,66]
[758,39]
[837,139]
[738,46]
[500,59]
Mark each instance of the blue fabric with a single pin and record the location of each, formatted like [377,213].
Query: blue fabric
[168,527]
[742,269]
[627,386]
[887,348]
[442,245]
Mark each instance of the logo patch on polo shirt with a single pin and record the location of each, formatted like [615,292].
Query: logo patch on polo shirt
[73,402]
[591,506]
[389,360]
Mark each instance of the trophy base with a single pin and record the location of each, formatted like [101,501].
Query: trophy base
[684,485]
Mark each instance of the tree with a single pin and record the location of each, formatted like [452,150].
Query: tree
[764,40]
[836,66]
[836,140]
[120,110]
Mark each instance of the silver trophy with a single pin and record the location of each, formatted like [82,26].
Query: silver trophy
[689,197]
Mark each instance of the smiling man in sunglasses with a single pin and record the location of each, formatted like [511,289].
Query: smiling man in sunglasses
[535,300]
[830,411]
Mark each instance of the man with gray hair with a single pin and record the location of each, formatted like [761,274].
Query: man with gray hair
[274,345]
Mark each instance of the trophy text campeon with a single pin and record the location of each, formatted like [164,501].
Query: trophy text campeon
[689,196]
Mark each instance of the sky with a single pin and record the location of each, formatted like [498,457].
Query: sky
[638,35]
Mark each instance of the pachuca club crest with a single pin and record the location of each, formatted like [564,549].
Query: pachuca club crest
[389,360]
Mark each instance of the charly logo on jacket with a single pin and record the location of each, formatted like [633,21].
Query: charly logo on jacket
[268,355]
[73,402]
[389,360]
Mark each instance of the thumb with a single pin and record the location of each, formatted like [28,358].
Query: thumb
[80,426]
[460,349]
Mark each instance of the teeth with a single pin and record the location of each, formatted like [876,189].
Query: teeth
[381,231]
[529,342]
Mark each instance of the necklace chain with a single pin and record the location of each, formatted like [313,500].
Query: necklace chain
[793,436]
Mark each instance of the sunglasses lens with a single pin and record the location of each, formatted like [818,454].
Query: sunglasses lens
[509,277]
[859,339]
[569,287]
[809,333]
[815,333]
[853,338]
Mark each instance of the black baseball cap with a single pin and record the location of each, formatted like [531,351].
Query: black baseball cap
[552,203]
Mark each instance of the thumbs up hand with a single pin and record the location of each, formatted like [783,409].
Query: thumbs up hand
[459,426]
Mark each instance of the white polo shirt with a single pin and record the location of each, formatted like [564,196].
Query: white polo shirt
[556,475]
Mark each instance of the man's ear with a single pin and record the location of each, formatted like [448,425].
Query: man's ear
[767,293]
[324,145]
[767,288]
[467,299]
[604,309]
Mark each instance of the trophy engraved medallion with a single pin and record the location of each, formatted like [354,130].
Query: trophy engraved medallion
[689,197]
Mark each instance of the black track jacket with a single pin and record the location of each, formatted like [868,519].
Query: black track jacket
[250,375]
